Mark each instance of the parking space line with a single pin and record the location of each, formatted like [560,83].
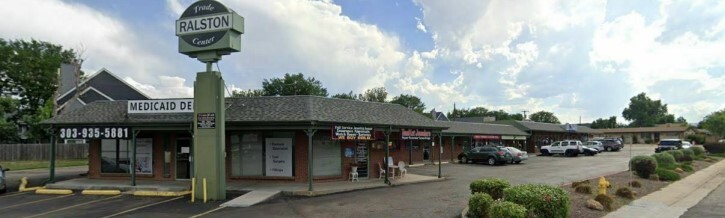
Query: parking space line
[141,207]
[16,194]
[207,212]
[74,206]
[38,201]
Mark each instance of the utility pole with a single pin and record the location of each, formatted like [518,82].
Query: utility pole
[524,111]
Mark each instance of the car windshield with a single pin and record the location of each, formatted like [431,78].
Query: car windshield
[512,149]
[669,143]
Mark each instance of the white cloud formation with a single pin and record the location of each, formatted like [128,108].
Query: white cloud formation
[420,25]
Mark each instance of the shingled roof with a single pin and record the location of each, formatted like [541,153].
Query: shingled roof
[647,129]
[481,128]
[263,111]
[545,127]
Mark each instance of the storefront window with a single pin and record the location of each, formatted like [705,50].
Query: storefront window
[262,153]
[327,156]
[115,155]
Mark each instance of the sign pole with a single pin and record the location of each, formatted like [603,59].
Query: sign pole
[207,30]
[133,158]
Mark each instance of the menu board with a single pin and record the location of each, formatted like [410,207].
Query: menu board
[279,157]
[352,133]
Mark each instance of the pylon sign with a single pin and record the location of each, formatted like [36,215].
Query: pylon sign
[207,30]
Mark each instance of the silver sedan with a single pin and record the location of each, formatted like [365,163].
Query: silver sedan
[518,155]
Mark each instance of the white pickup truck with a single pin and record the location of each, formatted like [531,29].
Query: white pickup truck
[570,148]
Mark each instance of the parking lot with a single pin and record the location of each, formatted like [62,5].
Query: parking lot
[437,199]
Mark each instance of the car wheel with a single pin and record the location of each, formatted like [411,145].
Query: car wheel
[608,149]
[545,152]
[3,190]
[518,162]
[491,161]
[568,153]
[464,160]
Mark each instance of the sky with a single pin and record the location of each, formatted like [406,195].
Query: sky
[581,60]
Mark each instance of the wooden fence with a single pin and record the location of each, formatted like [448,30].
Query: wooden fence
[18,152]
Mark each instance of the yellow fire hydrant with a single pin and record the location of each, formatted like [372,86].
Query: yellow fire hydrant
[603,184]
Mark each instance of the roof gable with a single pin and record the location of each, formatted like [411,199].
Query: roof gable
[106,84]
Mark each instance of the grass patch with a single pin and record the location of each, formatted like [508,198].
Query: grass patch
[721,155]
[42,164]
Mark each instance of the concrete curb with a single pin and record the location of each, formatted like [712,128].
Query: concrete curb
[101,192]
[676,198]
[464,213]
[54,191]
[344,190]
[160,193]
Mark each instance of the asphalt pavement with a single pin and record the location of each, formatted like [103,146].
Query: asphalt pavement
[37,176]
[710,206]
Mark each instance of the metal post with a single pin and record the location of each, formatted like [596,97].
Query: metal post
[453,146]
[53,142]
[387,153]
[410,153]
[133,158]
[440,153]
[310,175]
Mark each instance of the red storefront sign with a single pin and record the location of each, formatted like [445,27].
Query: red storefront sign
[352,133]
[486,137]
[410,134]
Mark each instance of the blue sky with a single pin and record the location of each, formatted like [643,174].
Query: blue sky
[574,58]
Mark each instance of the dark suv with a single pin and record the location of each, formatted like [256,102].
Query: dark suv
[491,154]
[668,144]
[611,144]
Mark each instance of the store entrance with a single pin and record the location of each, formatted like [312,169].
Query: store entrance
[426,152]
[183,158]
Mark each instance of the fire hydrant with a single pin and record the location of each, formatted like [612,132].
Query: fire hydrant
[603,184]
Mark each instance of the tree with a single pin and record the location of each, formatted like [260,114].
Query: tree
[293,84]
[248,93]
[715,123]
[350,96]
[378,94]
[544,117]
[602,123]
[409,101]
[8,118]
[645,112]
[681,119]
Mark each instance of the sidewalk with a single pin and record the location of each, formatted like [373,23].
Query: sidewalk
[36,176]
[676,198]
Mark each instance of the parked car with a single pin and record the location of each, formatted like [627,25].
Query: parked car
[570,148]
[587,151]
[611,144]
[668,144]
[686,144]
[3,184]
[492,155]
[596,145]
[518,155]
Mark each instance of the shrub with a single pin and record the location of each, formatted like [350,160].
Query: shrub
[635,184]
[699,139]
[576,184]
[687,159]
[606,201]
[542,200]
[687,168]
[654,177]
[677,154]
[648,141]
[493,187]
[689,152]
[507,209]
[479,204]
[665,160]
[585,189]
[668,175]
[643,165]
[699,151]
[625,193]
[715,148]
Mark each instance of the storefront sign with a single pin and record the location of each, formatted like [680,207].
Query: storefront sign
[570,127]
[508,137]
[209,26]
[144,152]
[279,157]
[415,134]
[486,137]
[161,106]
[352,133]
[94,133]
[206,120]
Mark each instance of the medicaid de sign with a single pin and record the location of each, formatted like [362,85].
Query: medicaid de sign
[161,106]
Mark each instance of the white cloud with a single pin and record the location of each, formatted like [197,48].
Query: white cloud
[420,25]
[165,87]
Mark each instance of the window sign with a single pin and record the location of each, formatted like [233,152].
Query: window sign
[483,137]
[352,133]
[144,154]
[279,157]
[94,133]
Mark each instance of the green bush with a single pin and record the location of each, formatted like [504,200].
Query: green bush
[688,152]
[699,151]
[493,187]
[506,209]
[635,184]
[665,160]
[479,204]
[715,148]
[699,139]
[668,175]
[584,189]
[542,200]
[643,165]
[606,201]
[677,154]
[687,167]
[625,193]
[648,141]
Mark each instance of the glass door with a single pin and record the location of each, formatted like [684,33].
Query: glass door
[183,158]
